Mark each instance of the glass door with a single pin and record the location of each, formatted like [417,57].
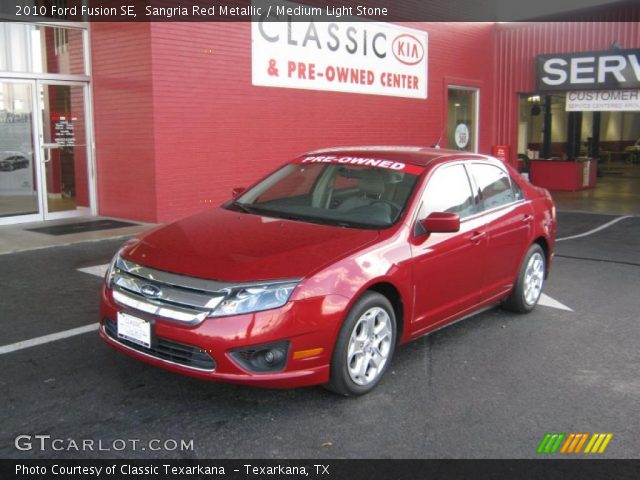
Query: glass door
[64,149]
[19,172]
[44,151]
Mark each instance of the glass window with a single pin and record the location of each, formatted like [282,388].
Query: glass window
[298,183]
[335,194]
[462,119]
[18,195]
[517,191]
[27,48]
[448,190]
[494,185]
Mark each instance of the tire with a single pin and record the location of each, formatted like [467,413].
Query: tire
[528,288]
[359,347]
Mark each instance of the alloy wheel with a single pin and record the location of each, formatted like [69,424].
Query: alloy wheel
[369,346]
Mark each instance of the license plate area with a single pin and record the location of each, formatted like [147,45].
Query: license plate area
[135,329]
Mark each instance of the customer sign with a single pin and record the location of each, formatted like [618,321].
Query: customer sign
[296,47]
[603,101]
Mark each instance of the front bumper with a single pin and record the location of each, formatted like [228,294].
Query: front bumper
[311,326]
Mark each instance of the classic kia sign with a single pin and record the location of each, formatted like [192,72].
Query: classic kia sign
[607,70]
[292,51]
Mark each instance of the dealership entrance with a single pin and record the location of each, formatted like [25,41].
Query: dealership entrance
[45,128]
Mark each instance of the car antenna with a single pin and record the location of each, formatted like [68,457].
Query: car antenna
[437,144]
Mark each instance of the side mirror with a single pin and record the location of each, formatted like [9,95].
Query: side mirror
[441,222]
[237,191]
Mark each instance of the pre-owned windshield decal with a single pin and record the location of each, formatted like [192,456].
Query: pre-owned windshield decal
[365,162]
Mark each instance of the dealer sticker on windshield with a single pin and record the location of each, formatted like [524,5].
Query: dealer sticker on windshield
[134,329]
[364,162]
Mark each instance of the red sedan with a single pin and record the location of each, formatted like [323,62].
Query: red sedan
[316,273]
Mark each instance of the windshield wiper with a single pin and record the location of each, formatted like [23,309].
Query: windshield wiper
[322,221]
[252,209]
[243,206]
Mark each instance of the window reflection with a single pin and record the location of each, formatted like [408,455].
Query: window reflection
[461,114]
[40,49]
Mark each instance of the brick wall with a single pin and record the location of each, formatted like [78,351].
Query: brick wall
[123,116]
[176,112]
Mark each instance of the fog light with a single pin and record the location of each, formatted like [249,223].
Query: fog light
[263,358]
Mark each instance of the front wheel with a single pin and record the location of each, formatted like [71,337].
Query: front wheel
[528,287]
[364,347]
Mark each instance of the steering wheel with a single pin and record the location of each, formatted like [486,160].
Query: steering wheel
[393,205]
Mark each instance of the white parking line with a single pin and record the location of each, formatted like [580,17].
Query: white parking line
[48,338]
[595,230]
[547,301]
[97,270]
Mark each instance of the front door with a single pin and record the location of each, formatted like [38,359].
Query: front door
[447,267]
[44,152]
[64,149]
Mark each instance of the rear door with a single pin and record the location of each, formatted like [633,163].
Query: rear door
[509,224]
[447,267]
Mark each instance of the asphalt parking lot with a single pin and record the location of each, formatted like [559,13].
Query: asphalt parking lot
[488,387]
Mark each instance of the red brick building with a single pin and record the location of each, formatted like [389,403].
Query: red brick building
[177,119]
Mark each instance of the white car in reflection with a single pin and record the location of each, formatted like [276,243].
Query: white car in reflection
[13,162]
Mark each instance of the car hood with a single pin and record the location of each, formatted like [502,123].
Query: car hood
[220,244]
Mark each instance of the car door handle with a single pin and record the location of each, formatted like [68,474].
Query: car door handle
[527,218]
[477,236]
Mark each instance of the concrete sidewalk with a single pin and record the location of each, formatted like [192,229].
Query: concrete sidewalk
[17,238]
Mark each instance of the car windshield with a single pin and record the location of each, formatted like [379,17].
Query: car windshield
[349,195]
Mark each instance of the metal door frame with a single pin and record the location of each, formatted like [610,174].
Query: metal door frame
[40,84]
[37,80]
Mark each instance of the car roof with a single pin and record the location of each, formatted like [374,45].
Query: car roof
[415,155]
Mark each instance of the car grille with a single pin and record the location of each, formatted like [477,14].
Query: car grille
[163,349]
[176,297]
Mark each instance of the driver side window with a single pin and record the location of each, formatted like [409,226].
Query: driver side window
[449,191]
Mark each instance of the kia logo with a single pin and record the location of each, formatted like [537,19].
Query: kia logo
[407,49]
[150,291]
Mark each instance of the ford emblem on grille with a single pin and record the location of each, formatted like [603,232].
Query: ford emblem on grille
[150,291]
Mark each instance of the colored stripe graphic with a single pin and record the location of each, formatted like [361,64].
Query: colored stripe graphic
[550,442]
[574,446]
[574,443]
[598,443]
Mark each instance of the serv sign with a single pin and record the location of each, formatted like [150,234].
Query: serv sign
[608,70]
[292,50]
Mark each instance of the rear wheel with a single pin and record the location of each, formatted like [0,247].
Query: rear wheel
[364,347]
[528,287]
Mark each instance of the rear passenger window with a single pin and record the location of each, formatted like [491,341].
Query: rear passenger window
[493,184]
[448,190]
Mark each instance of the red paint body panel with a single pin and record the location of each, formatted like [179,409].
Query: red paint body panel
[221,244]
[438,277]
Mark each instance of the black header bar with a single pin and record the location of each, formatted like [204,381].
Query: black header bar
[305,10]
[318,469]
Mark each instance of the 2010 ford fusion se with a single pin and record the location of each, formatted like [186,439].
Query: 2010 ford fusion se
[316,273]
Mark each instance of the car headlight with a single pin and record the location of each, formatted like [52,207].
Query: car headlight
[111,269]
[255,298]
